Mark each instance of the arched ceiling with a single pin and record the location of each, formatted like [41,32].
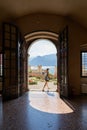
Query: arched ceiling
[74,9]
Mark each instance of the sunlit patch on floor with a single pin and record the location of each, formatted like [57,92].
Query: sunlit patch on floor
[49,102]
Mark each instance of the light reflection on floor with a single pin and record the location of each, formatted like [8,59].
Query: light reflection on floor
[49,102]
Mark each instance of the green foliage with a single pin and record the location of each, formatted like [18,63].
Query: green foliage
[33,83]
[55,83]
[38,77]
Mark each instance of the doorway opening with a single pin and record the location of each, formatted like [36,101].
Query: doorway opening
[42,54]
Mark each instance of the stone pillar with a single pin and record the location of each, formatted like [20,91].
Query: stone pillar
[29,66]
[55,71]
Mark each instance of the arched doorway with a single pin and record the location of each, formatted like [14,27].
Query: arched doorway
[17,84]
[42,55]
[30,38]
[61,42]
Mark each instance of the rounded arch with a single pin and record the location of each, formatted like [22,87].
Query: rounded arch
[42,35]
[34,36]
[31,37]
[43,43]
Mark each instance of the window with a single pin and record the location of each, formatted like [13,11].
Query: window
[84,63]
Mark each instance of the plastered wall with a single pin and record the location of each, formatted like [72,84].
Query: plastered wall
[55,23]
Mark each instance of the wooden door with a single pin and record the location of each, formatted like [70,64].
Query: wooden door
[10,62]
[63,62]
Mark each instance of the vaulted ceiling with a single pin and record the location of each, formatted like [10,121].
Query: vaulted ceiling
[74,9]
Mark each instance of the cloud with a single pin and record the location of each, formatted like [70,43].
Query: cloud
[42,47]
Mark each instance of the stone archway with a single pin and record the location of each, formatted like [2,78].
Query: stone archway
[29,38]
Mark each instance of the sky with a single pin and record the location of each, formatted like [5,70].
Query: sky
[41,47]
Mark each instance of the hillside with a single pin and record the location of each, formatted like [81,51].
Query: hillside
[47,60]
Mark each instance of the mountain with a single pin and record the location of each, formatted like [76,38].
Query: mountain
[46,60]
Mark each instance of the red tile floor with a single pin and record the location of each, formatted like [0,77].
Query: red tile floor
[44,111]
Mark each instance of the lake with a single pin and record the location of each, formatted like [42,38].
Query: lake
[51,68]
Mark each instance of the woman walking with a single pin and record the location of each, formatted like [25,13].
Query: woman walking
[46,79]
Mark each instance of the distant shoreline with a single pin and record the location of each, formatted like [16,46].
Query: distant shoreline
[51,68]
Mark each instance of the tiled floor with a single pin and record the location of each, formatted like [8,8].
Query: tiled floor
[40,85]
[43,111]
